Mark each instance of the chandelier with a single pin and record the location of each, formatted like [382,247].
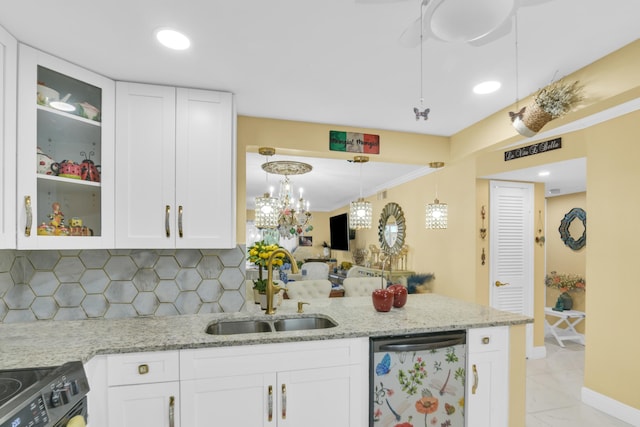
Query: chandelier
[286,213]
[360,212]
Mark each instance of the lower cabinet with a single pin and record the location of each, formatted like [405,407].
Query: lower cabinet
[318,383]
[143,389]
[311,397]
[313,383]
[145,405]
[487,400]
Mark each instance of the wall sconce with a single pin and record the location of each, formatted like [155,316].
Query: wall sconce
[436,213]
[540,236]
[483,229]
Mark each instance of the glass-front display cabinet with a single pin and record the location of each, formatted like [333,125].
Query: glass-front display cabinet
[65,155]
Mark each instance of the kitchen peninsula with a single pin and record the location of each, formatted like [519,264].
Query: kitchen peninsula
[183,339]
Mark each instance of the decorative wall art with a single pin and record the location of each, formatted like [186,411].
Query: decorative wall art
[354,142]
[533,149]
[565,233]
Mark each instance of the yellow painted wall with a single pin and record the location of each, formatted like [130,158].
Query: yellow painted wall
[613,203]
[562,258]
[517,387]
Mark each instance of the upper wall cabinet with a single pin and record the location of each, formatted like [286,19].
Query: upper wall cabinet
[8,83]
[175,167]
[65,155]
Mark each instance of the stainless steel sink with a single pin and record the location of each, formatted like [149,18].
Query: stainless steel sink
[303,324]
[249,326]
[233,327]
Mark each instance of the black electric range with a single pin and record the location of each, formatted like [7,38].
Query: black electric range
[42,397]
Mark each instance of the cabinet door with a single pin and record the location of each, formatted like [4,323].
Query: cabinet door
[8,82]
[145,405]
[67,113]
[205,170]
[320,397]
[145,166]
[487,377]
[241,400]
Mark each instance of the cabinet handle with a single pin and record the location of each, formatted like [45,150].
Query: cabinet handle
[167,229]
[180,221]
[172,406]
[270,404]
[27,205]
[284,401]
[474,388]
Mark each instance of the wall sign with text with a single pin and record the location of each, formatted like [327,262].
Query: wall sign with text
[531,150]
[354,142]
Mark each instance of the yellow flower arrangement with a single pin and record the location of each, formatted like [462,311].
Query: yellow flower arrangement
[564,282]
[259,253]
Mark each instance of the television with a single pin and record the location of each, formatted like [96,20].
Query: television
[339,232]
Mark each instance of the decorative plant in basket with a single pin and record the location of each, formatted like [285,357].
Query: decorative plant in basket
[259,253]
[551,102]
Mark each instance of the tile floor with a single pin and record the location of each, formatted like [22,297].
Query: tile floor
[553,390]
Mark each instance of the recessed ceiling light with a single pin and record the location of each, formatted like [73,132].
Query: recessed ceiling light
[486,87]
[172,39]
[544,173]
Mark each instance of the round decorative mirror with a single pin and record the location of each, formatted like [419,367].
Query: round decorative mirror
[391,229]
[570,228]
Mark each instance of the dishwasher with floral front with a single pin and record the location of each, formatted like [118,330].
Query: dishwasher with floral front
[418,380]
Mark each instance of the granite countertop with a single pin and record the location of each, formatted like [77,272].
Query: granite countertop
[50,343]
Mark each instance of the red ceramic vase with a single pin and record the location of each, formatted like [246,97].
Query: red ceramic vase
[399,295]
[382,299]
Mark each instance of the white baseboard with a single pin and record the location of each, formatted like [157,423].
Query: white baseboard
[538,353]
[611,406]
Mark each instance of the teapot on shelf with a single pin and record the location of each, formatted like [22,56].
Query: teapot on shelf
[45,162]
[89,171]
[67,169]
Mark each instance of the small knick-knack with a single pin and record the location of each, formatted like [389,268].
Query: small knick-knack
[567,301]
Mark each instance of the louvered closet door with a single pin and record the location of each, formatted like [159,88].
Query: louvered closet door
[511,246]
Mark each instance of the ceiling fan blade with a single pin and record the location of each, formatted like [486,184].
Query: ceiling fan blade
[496,34]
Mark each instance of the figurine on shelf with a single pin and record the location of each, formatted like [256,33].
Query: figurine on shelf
[57,217]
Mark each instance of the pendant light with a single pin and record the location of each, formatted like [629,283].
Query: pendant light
[266,211]
[436,212]
[360,212]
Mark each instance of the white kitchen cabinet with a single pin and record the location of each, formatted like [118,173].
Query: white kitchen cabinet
[488,377]
[143,389]
[317,383]
[8,83]
[175,167]
[79,135]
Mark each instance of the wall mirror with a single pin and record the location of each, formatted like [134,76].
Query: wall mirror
[574,233]
[391,229]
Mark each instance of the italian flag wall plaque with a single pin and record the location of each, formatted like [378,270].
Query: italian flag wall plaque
[354,142]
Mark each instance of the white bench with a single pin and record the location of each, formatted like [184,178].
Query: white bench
[569,318]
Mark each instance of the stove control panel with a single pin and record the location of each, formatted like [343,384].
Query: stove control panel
[59,395]
[34,414]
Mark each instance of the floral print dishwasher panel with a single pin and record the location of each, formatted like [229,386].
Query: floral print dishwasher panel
[415,389]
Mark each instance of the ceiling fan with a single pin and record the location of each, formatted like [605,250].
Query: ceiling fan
[477,22]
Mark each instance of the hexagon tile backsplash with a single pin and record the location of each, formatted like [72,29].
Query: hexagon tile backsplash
[89,284]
